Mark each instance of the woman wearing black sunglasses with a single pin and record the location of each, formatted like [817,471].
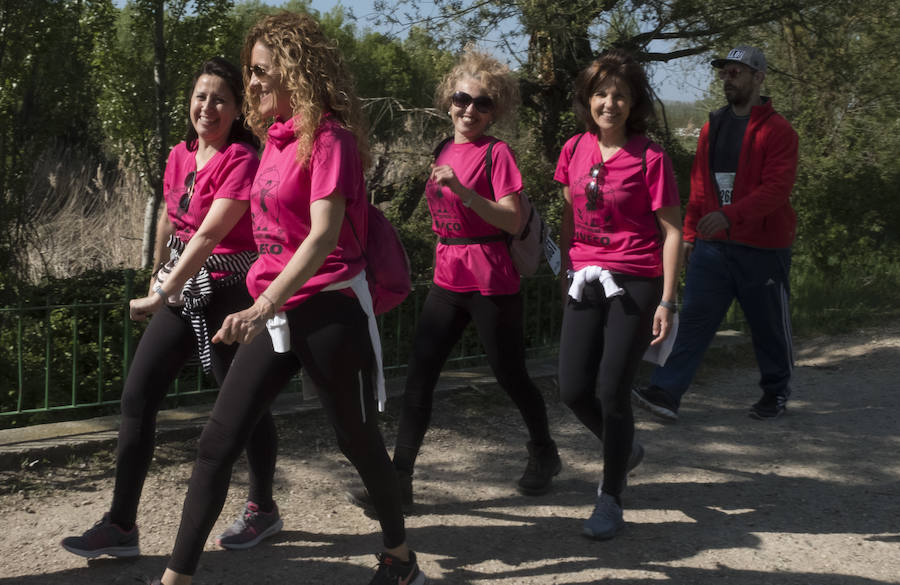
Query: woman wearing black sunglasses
[474,277]
[620,239]
[206,225]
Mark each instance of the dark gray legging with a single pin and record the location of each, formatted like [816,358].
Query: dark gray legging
[444,317]
[330,339]
[600,349]
[164,348]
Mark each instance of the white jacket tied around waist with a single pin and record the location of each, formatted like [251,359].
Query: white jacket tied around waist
[590,274]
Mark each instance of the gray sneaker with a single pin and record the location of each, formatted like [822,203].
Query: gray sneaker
[606,520]
[250,528]
[104,538]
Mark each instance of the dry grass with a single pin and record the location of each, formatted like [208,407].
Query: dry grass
[82,216]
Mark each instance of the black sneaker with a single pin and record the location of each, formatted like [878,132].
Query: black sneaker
[655,400]
[104,538]
[543,464]
[360,496]
[393,571]
[769,407]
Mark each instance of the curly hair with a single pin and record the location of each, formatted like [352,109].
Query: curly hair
[497,79]
[313,72]
[622,66]
[231,75]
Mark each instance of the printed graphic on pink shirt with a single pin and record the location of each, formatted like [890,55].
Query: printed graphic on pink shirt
[265,187]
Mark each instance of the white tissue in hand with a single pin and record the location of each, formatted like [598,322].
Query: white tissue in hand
[280,332]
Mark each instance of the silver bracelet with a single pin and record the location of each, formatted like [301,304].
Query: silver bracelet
[668,305]
[157,288]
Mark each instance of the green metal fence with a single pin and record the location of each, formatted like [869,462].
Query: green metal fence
[66,361]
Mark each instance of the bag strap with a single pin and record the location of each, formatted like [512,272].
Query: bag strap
[644,158]
[489,164]
[437,149]
[577,140]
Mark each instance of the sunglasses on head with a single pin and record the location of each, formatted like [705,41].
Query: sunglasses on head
[185,201]
[483,103]
[592,189]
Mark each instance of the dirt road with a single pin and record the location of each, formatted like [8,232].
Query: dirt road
[812,498]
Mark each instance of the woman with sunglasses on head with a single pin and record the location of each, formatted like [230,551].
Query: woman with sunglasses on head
[308,205]
[620,239]
[206,225]
[474,276]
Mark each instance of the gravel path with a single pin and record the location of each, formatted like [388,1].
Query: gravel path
[812,498]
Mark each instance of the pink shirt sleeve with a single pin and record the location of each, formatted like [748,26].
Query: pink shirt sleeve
[661,179]
[334,165]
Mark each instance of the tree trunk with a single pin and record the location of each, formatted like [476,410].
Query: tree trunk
[555,58]
[151,212]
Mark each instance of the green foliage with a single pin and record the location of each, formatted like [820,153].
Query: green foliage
[60,331]
[46,96]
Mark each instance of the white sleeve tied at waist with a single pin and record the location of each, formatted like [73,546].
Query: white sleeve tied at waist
[590,274]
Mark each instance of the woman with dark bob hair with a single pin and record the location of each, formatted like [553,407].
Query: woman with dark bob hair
[475,279]
[620,240]
[312,305]
[204,248]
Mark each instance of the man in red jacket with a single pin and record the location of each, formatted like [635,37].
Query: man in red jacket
[738,229]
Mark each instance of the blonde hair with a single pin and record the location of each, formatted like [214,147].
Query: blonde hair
[497,79]
[312,70]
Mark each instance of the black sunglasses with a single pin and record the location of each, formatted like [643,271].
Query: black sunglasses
[592,189]
[185,201]
[256,70]
[483,103]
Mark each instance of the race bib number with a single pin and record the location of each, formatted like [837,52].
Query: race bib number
[725,181]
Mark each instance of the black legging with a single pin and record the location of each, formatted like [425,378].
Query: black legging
[600,349]
[445,314]
[164,348]
[330,339]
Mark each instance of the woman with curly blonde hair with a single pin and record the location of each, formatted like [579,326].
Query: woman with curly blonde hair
[308,205]
[475,279]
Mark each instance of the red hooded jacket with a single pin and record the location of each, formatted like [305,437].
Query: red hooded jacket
[760,214]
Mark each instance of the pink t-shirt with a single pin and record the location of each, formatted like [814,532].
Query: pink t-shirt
[620,233]
[280,200]
[486,268]
[227,175]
